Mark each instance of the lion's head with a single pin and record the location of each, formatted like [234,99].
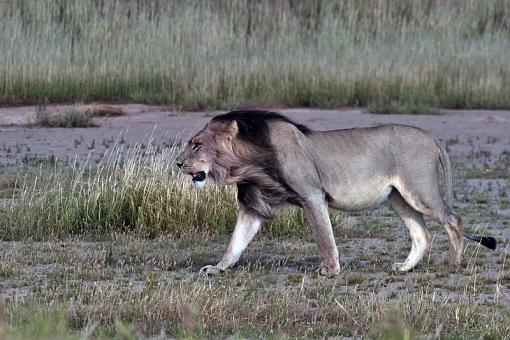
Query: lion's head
[236,148]
[218,152]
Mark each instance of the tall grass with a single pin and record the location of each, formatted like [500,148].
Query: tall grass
[391,55]
[136,190]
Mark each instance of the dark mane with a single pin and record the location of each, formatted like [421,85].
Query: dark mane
[252,124]
[264,189]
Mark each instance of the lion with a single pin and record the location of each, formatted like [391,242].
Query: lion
[274,161]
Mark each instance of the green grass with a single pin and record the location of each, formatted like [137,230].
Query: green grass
[139,192]
[405,56]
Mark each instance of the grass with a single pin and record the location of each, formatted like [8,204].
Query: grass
[421,107]
[405,56]
[139,192]
[141,297]
[73,118]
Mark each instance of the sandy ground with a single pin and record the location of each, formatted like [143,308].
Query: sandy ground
[467,131]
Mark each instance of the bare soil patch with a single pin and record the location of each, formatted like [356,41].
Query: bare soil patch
[465,131]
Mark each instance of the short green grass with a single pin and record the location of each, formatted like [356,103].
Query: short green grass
[392,56]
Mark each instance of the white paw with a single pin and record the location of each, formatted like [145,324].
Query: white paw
[210,270]
[400,267]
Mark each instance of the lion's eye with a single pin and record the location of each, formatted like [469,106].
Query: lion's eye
[196,146]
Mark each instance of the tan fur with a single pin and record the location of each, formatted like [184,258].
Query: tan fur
[343,169]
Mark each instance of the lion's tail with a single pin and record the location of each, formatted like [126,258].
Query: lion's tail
[444,160]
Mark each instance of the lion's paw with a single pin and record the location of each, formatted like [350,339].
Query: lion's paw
[210,270]
[328,271]
[400,267]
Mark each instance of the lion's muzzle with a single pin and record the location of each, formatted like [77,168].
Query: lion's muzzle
[198,179]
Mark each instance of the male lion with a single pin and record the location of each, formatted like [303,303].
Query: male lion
[274,161]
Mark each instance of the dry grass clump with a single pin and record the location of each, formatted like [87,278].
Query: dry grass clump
[70,119]
[409,56]
[8,182]
[101,110]
[81,116]
[137,192]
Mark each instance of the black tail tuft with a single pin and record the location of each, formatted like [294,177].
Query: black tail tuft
[486,241]
[489,242]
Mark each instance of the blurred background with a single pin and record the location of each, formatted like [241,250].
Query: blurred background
[412,56]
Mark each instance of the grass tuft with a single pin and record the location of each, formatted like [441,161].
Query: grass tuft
[73,118]
[402,108]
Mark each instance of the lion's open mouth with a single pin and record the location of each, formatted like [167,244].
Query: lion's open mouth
[198,179]
[199,176]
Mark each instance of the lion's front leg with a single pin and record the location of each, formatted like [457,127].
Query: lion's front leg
[317,214]
[247,226]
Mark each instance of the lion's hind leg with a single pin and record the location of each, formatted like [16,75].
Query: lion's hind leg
[428,201]
[455,229]
[420,237]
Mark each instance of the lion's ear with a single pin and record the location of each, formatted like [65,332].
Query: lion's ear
[231,128]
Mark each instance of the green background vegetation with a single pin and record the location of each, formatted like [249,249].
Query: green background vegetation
[392,56]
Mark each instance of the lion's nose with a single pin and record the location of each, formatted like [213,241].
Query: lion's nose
[179,164]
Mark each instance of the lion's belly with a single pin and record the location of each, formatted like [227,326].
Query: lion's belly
[359,197]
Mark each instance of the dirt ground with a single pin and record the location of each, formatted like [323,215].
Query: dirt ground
[465,131]
[478,143]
